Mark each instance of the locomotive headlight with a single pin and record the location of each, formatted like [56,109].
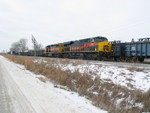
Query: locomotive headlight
[106,48]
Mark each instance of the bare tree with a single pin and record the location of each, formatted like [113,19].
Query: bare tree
[23,44]
[20,46]
[36,46]
[15,47]
[40,46]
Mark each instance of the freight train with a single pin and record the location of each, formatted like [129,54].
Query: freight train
[97,48]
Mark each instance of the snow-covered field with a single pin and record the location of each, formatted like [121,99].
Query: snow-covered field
[130,75]
[44,97]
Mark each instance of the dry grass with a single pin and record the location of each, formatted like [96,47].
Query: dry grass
[102,94]
[132,69]
[43,79]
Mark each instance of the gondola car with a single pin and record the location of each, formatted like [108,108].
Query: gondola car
[132,51]
[32,53]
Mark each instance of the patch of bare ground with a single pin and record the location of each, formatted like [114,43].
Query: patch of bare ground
[132,69]
[106,95]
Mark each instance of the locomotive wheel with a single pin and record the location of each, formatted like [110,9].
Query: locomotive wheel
[100,58]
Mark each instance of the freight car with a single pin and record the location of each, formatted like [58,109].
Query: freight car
[132,51]
[32,53]
[89,48]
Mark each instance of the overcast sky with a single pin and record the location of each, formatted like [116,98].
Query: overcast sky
[54,21]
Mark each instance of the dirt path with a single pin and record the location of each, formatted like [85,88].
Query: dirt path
[11,98]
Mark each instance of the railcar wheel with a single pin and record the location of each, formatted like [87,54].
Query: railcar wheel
[141,59]
[134,59]
[115,59]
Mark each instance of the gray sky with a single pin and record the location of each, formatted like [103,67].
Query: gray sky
[54,21]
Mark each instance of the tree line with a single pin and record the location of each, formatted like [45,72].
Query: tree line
[22,46]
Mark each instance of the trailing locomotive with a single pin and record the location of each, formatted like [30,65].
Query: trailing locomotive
[54,50]
[90,48]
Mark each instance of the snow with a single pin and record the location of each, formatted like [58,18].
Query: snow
[40,61]
[130,75]
[44,97]
[119,101]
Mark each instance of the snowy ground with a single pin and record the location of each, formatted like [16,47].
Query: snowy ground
[130,75]
[36,96]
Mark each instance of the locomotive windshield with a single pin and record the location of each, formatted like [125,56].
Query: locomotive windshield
[100,39]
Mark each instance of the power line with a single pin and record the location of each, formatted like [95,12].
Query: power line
[127,26]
